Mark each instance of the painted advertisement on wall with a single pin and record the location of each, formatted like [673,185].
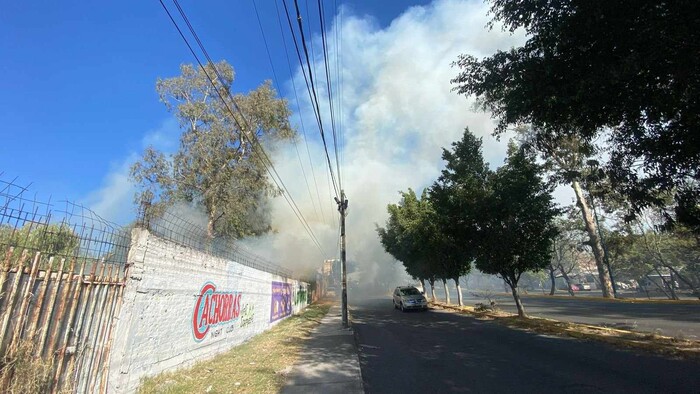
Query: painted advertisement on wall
[301,296]
[215,312]
[281,305]
[196,306]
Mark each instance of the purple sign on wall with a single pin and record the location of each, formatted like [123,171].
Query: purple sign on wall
[281,305]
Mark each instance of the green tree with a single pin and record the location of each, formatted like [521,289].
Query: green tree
[568,159]
[51,240]
[455,197]
[446,254]
[403,236]
[588,66]
[672,250]
[218,166]
[567,250]
[517,222]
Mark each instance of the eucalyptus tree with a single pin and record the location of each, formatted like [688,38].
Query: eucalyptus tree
[516,227]
[568,159]
[220,165]
[673,250]
[567,251]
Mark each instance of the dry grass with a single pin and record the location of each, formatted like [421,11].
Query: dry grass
[27,373]
[257,366]
[658,344]
[622,300]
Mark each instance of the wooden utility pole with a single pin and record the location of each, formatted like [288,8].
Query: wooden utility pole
[342,207]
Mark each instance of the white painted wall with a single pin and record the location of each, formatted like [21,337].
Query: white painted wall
[154,329]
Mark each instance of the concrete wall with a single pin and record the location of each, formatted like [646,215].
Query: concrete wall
[181,306]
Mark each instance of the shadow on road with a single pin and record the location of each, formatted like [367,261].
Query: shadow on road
[440,351]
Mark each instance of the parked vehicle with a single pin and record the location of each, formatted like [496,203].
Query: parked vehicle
[408,297]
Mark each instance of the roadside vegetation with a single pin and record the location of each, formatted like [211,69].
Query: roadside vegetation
[257,366]
[605,109]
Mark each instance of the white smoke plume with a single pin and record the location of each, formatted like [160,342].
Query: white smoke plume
[398,112]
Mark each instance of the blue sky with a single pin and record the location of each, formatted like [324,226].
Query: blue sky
[78,102]
[77,79]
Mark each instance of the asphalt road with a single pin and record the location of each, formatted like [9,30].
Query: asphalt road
[680,320]
[438,351]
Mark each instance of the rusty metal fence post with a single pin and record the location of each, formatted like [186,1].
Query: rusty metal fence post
[54,321]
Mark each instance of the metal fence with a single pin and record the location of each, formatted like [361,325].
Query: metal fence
[62,276]
[62,230]
[61,283]
[168,224]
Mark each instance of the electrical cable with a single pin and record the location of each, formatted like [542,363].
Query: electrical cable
[310,88]
[252,140]
[274,73]
[313,89]
[329,89]
[301,118]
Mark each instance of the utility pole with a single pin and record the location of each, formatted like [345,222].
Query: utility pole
[342,207]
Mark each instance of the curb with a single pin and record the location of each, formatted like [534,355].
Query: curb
[507,314]
[618,300]
[357,348]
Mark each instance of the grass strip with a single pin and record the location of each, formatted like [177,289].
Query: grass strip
[618,300]
[257,366]
[654,343]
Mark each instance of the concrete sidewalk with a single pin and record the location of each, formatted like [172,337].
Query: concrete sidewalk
[329,360]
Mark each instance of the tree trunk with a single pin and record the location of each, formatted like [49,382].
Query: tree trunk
[518,302]
[422,283]
[567,280]
[447,292]
[673,271]
[460,301]
[659,286]
[683,279]
[210,226]
[432,289]
[553,279]
[595,243]
[674,296]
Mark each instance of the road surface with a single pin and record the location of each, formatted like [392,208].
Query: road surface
[677,320]
[438,351]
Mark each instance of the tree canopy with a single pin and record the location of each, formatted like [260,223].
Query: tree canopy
[404,234]
[633,69]
[218,166]
[52,240]
[517,223]
[455,196]
[503,221]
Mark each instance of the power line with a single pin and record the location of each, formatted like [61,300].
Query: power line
[253,139]
[310,89]
[339,78]
[301,118]
[274,73]
[313,94]
[329,89]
